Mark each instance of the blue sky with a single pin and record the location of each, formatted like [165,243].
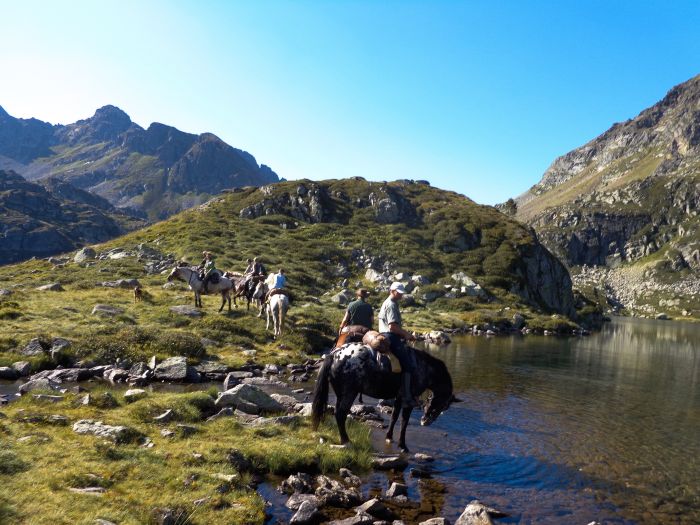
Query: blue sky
[476,97]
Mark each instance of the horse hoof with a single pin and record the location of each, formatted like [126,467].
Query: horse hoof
[404,450]
[389,440]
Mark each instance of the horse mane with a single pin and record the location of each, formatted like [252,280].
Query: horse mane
[438,365]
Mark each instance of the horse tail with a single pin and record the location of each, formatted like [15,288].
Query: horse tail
[280,306]
[318,407]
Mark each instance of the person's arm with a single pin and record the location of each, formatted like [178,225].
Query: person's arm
[394,328]
[344,322]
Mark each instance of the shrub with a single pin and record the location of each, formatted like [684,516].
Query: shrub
[177,343]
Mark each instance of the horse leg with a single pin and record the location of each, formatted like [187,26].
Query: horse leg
[405,416]
[223,300]
[342,409]
[394,418]
[267,319]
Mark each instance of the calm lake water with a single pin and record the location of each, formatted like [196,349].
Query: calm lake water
[571,430]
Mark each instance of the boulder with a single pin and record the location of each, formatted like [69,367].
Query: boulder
[389,462]
[118,434]
[298,483]
[331,492]
[84,254]
[249,399]
[129,284]
[357,519]
[375,508]
[58,347]
[106,310]
[435,521]
[308,513]
[343,297]
[52,287]
[518,321]
[23,368]
[189,311]
[34,347]
[134,394]
[477,514]
[288,402]
[396,489]
[8,373]
[172,369]
[38,384]
[139,369]
[296,499]
[374,276]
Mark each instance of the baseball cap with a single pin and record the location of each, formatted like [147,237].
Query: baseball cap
[398,287]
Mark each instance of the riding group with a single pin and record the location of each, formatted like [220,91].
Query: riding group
[254,285]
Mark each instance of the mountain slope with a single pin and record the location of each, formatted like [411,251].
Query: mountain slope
[37,221]
[630,198]
[156,171]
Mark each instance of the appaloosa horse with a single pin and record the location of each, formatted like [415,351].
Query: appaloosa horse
[353,368]
[191,277]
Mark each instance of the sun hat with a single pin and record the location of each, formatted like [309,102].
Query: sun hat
[398,287]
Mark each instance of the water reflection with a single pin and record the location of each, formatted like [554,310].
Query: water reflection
[605,427]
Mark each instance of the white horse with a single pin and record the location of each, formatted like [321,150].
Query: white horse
[261,291]
[277,307]
[191,277]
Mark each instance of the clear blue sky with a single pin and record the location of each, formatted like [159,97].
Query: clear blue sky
[477,97]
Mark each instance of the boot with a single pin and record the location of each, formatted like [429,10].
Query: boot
[406,395]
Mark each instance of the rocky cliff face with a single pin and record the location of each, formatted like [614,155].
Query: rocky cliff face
[448,232]
[38,221]
[628,197]
[154,172]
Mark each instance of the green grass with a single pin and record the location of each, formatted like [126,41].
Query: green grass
[36,474]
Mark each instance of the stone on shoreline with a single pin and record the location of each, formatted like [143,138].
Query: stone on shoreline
[478,514]
[249,399]
[22,367]
[172,369]
[38,384]
[389,462]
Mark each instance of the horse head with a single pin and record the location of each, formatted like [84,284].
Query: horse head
[174,274]
[440,386]
[260,290]
[436,405]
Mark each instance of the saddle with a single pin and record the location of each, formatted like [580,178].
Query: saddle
[214,278]
[382,349]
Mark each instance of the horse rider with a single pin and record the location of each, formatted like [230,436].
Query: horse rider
[278,284]
[258,268]
[207,268]
[358,312]
[390,325]
[250,268]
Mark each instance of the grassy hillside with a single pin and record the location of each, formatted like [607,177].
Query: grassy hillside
[446,233]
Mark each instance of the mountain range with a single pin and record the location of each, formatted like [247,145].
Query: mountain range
[622,210]
[151,173]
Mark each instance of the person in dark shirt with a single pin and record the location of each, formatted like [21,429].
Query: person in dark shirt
[359,312]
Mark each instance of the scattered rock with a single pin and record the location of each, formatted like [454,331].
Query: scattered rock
[224,412]
[53,287]
[50,399]
[331,492]
[92,491]
[164,417]
[296,499]
[189,311]
[357,519]
[248,398]
[308,513]
[106,310]
[118,434]
[34,347]
[134,394]
[172,369]
[477,514]
[396,489]
[22,367]
[375,508]
[8,373]
[349,478]
[84,254]
[38,384]
[297,483]
[129,284]
[389,462]
[435,521]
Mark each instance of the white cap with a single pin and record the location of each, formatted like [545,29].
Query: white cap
[398,287]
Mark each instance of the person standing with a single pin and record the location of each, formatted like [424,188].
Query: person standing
[358,312]
[390,324]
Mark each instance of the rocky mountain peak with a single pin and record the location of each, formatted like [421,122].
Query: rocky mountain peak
[107,124]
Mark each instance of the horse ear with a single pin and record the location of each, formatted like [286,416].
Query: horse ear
[455,399]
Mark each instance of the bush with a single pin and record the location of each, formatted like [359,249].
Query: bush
[177,343]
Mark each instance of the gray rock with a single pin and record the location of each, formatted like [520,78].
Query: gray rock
[129,284]
[106,310]
[116,375]
[375,508]
[5,292]
[478,514]
[249,399]
[435,521]
[307,514]
[331,492]
[52,287]
[38,384]
[84,254]
[91,491]
[48,398]
[224,412]
[296,499]
[23,368]
[34,347]
[389,462]
[518,321]
[298,483]
[189,311]
[357,519]
[118,434]
[8,373]
[172,369]
[231,381]
[139,369]
[134,394]
[209,368]
[288,402]
[397,489]
[58,346]
[343,297]
[280,420]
